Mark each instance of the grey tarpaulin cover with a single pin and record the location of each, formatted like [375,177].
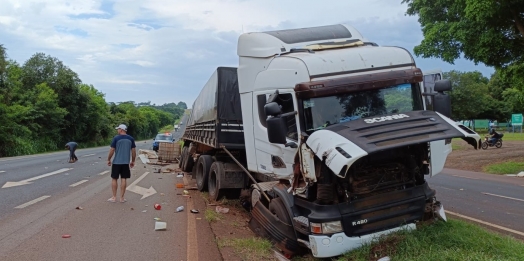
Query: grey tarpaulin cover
[219,99]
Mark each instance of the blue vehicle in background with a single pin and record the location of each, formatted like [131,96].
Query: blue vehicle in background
[162,137]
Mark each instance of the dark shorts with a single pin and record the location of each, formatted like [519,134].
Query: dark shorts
[120,170]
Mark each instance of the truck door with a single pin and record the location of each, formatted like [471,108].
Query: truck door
[274,158]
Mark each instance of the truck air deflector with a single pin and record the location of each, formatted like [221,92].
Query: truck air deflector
[395,130]
[321,33]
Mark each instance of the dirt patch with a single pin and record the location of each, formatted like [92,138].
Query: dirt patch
[465,157]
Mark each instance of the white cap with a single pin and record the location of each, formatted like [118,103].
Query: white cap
[121,126]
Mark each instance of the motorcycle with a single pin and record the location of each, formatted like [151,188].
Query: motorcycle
[486,143]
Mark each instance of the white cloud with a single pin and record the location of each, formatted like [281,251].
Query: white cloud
[165,50]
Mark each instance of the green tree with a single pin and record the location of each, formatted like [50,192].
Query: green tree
[484,31]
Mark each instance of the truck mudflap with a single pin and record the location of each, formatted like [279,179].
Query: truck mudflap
[267,225]
[344,143]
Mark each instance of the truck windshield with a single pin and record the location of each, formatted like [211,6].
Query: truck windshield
[324,111]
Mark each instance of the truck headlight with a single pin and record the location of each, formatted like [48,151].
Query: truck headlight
[326,228]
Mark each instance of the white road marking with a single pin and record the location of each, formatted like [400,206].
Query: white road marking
[487,223]
[2,171]
[140,190]
[463,177]
[495,195]
[28,181]
[102,173]
[88,155]
[33,202]
[78,183]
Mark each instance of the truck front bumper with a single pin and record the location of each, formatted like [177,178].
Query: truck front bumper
[338,244]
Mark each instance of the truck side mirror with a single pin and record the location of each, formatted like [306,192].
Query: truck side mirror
[442,101]
[276,130]
[272,109]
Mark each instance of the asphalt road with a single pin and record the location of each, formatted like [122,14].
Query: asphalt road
[497,201]
[40,194]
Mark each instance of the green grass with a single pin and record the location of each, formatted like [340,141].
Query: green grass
[509,167]
[454,240]
[508,136]
[167,128]
[212,216]
[253,248]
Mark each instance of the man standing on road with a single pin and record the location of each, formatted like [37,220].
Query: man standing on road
[71,146]
[123,147]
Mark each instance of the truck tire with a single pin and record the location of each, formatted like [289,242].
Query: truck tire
[216,171]
[202,171]
[187,166]
[277,207]
[183,157]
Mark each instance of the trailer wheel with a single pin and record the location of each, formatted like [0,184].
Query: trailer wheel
[202,171]
[217,170]
[188,163]
[183,157]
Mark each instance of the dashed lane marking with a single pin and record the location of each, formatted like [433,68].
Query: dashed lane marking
[500,196]
[463,177]
[487,223]
[78,183]
[102,173]
[88,155]
[33,202]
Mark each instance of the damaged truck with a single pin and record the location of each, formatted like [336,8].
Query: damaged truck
[327,138]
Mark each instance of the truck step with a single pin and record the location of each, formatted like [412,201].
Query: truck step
[265,186]
[302,220]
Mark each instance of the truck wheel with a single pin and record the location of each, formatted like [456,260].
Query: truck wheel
[183,156]
[188,162]
[277,207]
[202,171]
[213,185]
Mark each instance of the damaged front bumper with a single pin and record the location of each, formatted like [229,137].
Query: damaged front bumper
[337,244]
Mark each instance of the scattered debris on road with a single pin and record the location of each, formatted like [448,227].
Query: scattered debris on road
[157,207]
[160,226]
[79,208]
[195,211]
[180,209]
[66,236]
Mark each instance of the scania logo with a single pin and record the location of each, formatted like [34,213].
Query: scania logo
[359,222]
[386,118]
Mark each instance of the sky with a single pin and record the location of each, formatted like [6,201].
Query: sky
[164,51]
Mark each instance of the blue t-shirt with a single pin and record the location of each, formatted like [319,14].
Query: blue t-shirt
[122,145]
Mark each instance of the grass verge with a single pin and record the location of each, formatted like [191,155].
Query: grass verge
[253,248]
[510,167]
[452,240]
[212,216]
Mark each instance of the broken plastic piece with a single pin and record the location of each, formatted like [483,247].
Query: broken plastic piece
[194,211]
[180,185]
[179,176]
[157,207]
[160,226]
[144,211]
[220,209]
[179,209]
[79,208]
[157,219]
[66,236]
[186,192]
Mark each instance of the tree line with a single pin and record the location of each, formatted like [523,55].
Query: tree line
[44,104]
[482,31]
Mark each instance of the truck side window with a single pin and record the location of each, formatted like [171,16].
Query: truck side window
[285,100]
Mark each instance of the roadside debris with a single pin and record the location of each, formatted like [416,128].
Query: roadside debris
[144,211]
[386,258]
[186,192]
[79,208]
[162,194]
[157,207]
[179,176]
[160,226]
[132,209]
[180,185]
[157,219]
[195,211]
[180,209]
[66,236]
[220,209]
